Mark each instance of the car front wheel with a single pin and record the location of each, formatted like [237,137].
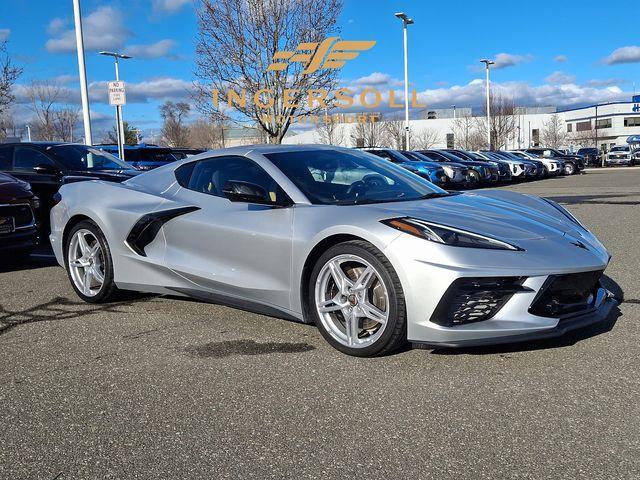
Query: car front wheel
[356,300]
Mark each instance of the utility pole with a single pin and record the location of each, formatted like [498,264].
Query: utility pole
[486,64]
[84,95]
[405,21]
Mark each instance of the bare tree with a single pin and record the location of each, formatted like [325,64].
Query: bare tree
[207,134]
[43,97]
[393,134]
[7,125]
[424,139]
[466,133]
[65,120]
[330,132]
[174,130]
[9,73]
[504,121]
[585,137]
[236,43]
[369,133]
[554,132]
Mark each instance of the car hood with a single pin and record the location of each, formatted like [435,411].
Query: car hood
[12,189]
[501,214]
[422,166]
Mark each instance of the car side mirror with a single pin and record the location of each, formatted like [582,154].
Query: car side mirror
[45,169]
[247,192]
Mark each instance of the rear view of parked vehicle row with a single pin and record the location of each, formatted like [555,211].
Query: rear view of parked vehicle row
[361,246]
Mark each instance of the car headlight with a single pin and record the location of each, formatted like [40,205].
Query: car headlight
[447,235]
[565,212]
[448,170]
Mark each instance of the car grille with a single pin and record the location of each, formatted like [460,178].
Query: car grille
[22,214]
[566,294]
[475,299]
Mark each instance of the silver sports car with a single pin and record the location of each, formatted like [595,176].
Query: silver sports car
[372,254]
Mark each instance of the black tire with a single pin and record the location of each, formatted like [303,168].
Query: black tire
[474,178]
[108,291]
[394,336]
[569,168]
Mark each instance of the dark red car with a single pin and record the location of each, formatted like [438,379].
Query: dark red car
[18,223]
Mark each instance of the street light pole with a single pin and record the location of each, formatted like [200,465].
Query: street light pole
[119,120]
[84,95]
[454,111]
[487,63]
[405,21]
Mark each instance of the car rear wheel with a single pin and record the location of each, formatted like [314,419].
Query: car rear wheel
[356,300]
[569,168]
[89,264]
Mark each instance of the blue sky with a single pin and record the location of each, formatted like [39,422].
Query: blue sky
[549,52]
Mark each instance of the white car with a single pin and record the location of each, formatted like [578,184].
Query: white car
[554,167]
[622,155]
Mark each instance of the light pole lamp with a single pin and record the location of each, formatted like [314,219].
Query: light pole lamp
[486,64]
[405,21]
[119,120]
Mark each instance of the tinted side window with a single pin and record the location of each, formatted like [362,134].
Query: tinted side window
[25,158]
[210,176]
[183,173]
[5,158]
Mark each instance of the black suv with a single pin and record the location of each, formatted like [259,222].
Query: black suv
[592,156]
[47,165]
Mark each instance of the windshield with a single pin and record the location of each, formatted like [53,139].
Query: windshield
[619,149]
[337,177]
[80,157]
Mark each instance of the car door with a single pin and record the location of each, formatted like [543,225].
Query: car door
[44,183]
[237,249]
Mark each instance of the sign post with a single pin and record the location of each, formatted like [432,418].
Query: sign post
[117,98]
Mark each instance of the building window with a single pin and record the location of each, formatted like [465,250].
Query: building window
[632,122]
[583,126]
[569,127]
[603,123]
[535,137]
[450,140]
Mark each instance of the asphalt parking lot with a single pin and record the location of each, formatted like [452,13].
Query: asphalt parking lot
[159,388]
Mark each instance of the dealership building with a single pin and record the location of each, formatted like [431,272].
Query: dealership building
[609,124]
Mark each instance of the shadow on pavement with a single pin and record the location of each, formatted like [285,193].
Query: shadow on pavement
[595,199]
[42,257]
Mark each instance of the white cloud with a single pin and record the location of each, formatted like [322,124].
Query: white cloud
[560,58]
[169,6]
[4,34]
[629,54]
[164,88]
[103,29]
[378,80]
[65,79]
[504,60]
[559,77]
[606,82]
[154,50]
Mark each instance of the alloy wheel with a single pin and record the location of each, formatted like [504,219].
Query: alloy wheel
[352,301]
[86,262]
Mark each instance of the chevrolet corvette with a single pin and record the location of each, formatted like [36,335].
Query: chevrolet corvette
[373,254]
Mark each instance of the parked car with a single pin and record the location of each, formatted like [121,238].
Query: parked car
[621,155]
[47,165]
[373,264]
[520,170]
[572,163]
[552,166]
[504,172]
[457,174]
[18,221]
[592,156]
[181,153]
[479,172]
[143,156]
[428,170]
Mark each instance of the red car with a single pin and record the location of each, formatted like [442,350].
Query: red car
[18,223]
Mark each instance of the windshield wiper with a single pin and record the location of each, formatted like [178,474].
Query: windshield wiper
[437,195]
